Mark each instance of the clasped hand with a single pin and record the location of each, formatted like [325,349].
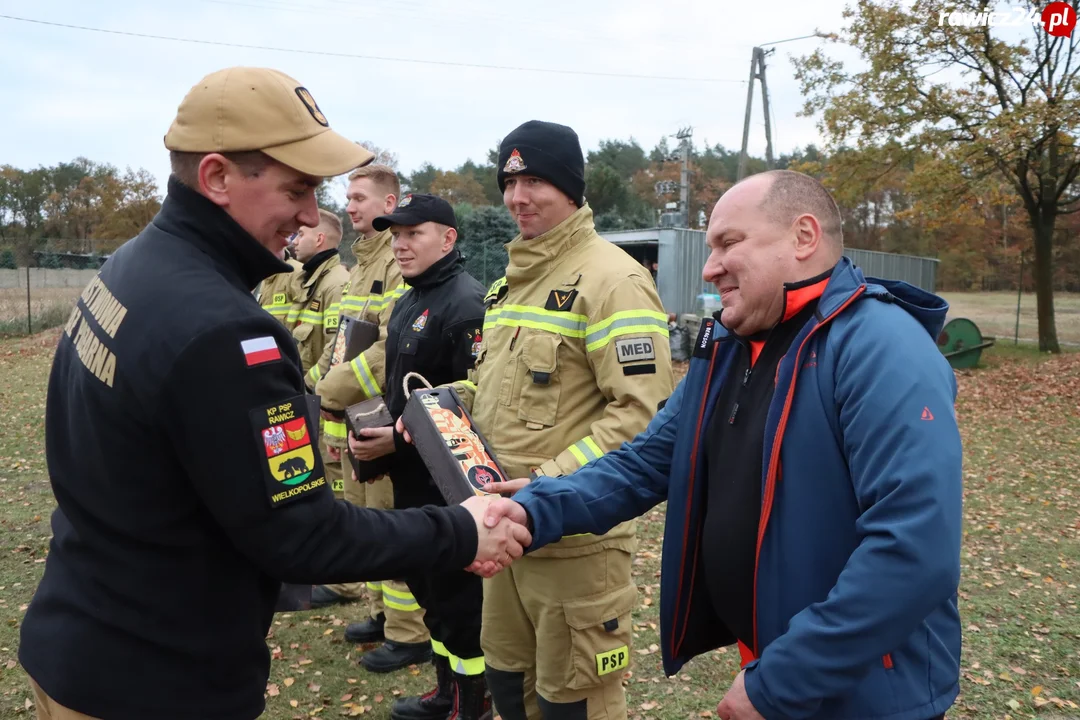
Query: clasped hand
[500,540]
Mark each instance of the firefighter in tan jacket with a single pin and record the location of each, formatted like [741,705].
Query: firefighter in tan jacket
[316,289]
[302,299]
[573,362]
[275,291]
[374,286]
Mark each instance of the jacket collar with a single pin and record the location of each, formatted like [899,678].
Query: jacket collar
[317,266]
[839,284]
[443,269]
[195,219]
[367,249]
[533,258]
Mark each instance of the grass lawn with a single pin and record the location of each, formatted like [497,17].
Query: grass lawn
[1021,562]
[995,315]
[49,307]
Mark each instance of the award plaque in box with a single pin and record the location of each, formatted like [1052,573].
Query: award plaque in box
[453,449]
[354,336]
[371,413]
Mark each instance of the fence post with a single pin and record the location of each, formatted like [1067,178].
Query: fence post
[29,325]
[1019,295]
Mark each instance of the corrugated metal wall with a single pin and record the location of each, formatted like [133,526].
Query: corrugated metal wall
[682,254]
[680,257]
[919,271]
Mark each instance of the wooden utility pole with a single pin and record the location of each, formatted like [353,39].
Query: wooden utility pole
[684,136]
[757,71]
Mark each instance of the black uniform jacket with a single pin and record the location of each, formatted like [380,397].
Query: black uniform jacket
[189,485]
[435,330]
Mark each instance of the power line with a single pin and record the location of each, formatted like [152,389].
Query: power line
[325,53]
[803,37]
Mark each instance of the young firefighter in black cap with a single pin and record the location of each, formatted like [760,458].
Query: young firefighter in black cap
[435,330]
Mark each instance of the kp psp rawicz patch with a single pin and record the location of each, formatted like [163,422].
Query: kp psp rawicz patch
[293,466]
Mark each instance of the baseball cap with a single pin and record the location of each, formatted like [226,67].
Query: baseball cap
[241,109]
[417,209]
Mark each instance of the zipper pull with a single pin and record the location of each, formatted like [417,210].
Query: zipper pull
[514,339]
[734,411]
[746,377]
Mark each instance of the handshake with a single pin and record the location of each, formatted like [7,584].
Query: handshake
[501,524]
[501,531]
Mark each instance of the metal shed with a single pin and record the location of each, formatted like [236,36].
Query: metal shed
[681,253]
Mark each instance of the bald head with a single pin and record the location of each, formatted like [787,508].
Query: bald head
[770,230]
[790,194]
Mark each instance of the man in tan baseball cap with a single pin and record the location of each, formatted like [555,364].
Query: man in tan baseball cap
[194,487]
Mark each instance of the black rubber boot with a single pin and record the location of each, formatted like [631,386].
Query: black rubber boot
[369,631]
[471,698]
[435,705]
[391,656]
[322,596]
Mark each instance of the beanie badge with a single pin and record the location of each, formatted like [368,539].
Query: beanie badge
[515,163]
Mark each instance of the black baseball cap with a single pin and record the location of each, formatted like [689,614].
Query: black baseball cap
[417,209]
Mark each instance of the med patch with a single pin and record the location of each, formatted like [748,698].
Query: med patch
[293,466]
[636,349]
[561,300]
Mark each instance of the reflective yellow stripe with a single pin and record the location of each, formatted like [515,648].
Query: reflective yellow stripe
[399,600]
[578,454]
[356,303]
[374,587]
[466,666]
[278,311]
[315,374]
[586,450]
[294,314]
[335,429]
[468,385]
[315,318]
[438,648]
[568,324]
[593,446]
[364,376]
[383,302]
[627,322]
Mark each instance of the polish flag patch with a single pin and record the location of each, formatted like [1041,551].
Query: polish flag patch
[260,350]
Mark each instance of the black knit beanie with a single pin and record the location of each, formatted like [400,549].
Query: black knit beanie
[548,151]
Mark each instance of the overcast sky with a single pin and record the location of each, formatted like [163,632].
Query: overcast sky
[111,97]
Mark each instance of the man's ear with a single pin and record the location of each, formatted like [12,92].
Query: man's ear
[391,203]
[320,241]
[449,239]
[808,236]
[214,177]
